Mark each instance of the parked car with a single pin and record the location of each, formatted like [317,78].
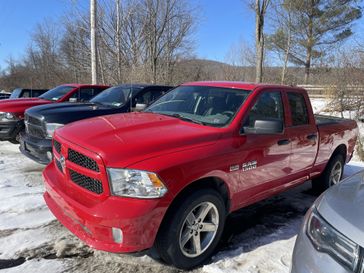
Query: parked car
[26,93]
[12,110]
[166,178]
[4,96]
[332,236]
[41,121]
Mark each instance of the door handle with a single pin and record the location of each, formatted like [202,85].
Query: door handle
[312,137]
[284,142]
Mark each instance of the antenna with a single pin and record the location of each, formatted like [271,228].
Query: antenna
[131,97]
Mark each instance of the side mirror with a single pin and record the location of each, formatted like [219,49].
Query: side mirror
[72,100]
[140,107]
[265,127]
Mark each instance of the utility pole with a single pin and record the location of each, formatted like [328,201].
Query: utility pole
[93,7]
[118,37]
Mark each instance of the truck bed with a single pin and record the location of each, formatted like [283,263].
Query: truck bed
[326,120]
[334,131]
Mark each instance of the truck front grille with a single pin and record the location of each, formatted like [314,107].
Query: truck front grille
[79,167]
[34,131]
[34,127]
[59,165]
[82,160]
[57,146]
[86,182]
[33,120]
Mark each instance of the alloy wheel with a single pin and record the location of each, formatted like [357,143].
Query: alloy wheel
[199,229]
[336,173]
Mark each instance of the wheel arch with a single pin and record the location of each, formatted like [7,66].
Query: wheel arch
[211,182]
[342,150]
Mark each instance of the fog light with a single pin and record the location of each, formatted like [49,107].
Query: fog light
[117,235]
[49,156]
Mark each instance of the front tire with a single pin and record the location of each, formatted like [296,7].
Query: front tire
[14,141]
[190,234]
[331,175]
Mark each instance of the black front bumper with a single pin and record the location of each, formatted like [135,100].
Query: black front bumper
[9,130]
[39,150]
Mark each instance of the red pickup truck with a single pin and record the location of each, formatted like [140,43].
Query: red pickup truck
[12,110]
[166,178]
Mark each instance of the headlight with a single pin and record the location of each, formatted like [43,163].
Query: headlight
[7,116]
[134,183]
[51,127]
[326,239]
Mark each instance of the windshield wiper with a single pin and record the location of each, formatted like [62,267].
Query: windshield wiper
[184,118]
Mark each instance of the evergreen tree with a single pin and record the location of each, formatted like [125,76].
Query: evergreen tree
[314,27]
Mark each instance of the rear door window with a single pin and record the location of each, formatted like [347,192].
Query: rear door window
[298,108]
[86,94]
[37,93]
[149,96]
[25,94]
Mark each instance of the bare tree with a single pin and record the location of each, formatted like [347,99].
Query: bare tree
[75,49]
[168,24]
[239,60]
[42,57]
[282,40]
[133,40]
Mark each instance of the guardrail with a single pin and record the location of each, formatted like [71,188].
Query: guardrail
[324,90]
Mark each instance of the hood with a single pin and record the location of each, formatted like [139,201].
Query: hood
[124,139]
[65,113]
[20,105]
[342,206]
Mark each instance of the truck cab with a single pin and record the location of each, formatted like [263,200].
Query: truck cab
[26,93]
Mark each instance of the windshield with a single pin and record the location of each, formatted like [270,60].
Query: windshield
[56,93]
[115,96]
[15,94]
[206,105]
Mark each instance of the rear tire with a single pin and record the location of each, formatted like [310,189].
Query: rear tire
[16,139]
[190,233]
[331,175]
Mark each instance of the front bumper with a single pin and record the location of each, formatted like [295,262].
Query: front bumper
[9,130]
[138,219]
[306,259]
[39,150]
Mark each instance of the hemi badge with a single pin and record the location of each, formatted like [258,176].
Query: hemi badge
[249,166]
[234,168]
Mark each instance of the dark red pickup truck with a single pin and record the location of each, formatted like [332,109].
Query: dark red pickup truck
[12,110]
[168,177]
